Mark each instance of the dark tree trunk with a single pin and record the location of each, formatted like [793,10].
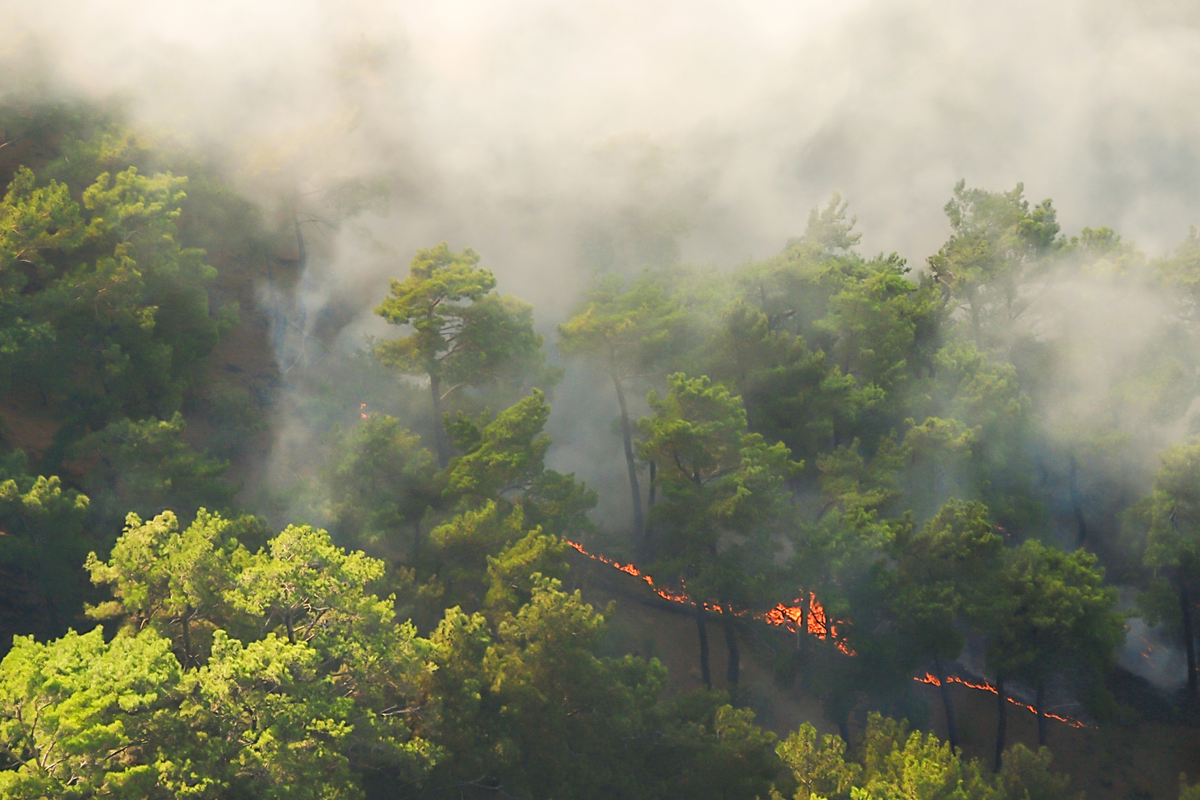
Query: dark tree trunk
[187,636]
[1002,724]
[648,537]
[416,541]
[439,432]
[639,520]
[653,488]
[1041,714]
[1189,637]
[705,675]
[733,669]
[944,691]
[1077,504]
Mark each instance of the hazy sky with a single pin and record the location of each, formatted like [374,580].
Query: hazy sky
[510,125]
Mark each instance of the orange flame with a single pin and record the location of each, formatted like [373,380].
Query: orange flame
[630,569]
[987,687]
[1149,647]
[795,617]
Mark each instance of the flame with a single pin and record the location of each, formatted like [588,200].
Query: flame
[794,617]
[1149,647]
[630,569]
[807,616]
[987,687]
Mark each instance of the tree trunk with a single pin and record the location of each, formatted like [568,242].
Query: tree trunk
[705,675]
[1002,724]
[1076,504]
[652,490]
[439,432]
[416,541]
[1189,637]
[944,691]
[733,669]
[1041,713]
[187,637]
[639,520]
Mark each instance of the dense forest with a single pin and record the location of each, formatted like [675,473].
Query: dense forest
[882,483]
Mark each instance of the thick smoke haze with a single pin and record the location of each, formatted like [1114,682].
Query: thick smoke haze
[561,139]
[509,126]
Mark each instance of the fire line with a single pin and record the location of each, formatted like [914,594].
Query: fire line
[987,687]
[808,617]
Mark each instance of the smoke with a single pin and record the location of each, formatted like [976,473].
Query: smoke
[561,139]
[509,125]
[1146,652]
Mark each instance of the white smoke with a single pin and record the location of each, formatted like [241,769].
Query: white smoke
[518,127]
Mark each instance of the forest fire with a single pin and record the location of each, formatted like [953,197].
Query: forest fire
[932,680]
[807,617]
[1148,653]
[630,569]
